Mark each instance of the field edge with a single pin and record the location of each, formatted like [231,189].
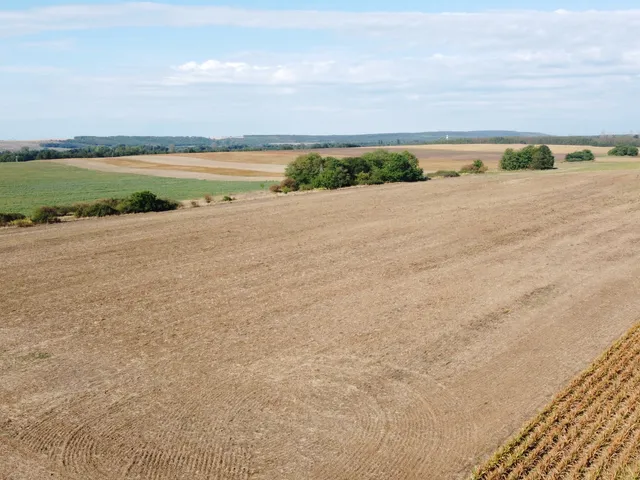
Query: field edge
[484,470]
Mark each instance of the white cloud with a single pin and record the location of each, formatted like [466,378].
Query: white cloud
[461,28]
[470,70]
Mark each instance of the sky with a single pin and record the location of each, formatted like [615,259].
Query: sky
[218,68]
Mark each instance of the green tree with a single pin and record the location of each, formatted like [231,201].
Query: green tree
[542,159]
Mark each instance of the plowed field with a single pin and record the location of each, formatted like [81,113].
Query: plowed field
[400,331]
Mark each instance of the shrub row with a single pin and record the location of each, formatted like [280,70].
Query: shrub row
[314,171]
[7,218]
[477,166]
[624,151]
[530,157]
[138,202]
[445,174]
[581,156]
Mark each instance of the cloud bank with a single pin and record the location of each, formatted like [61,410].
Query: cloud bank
[556,71]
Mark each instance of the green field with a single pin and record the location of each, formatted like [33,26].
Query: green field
[25,186]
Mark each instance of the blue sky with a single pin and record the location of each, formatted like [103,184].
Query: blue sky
[218,68]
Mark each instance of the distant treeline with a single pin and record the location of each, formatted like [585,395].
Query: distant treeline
[278,141]
[591,141]
[25,154]
[92,147]
[128,141]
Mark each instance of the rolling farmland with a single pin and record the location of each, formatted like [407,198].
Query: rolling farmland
[270,165]
[396,331]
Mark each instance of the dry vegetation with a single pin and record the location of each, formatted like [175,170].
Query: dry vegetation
[399,331]
[591,430]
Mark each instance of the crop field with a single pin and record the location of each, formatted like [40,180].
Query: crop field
[394,331]
[26,186]
[591,430]
[270,165]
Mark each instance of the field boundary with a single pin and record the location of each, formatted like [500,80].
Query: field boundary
[571,415]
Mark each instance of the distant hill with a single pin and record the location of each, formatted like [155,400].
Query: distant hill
[367,139]
[153,144]
[266,140]
[131,141]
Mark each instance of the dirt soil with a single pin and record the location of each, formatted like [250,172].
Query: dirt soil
[399,331]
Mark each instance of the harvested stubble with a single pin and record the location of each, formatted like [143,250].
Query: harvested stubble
[591,430]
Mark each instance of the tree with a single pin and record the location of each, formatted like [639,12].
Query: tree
[542,159]
[531,157]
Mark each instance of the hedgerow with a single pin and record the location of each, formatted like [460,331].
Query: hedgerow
[624,151]
[530,157]
[380,166]
[7,218]
[581,156]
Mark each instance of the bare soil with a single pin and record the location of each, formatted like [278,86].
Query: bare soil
[400,331]
[18,144]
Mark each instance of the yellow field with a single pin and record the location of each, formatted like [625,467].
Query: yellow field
[591,430]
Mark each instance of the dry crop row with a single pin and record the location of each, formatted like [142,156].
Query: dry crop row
[590,430]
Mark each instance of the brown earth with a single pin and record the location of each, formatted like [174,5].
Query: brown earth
[130,162]
[400,331]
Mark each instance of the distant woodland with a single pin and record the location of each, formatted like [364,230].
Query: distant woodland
[118,146]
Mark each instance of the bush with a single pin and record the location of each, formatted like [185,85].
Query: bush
[142,202]
[368,178]
[543,159]
[22,223]
[531,157]
[100,208]
[63,210]
[46,214]
[208,198]
[227,198]
[624,151]
[380,166]
[7,218]
[289,183]
[477,166]
[445,174]
[305,169]
[334,175]
[394,167]
[194,203]
[581,156]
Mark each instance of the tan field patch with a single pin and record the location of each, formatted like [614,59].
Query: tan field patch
[590,430]
[432,157]
[131,163]
[270,165]
[399,331]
